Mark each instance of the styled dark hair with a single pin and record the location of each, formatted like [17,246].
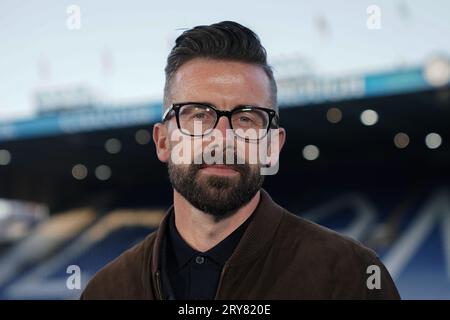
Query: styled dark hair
[226,40]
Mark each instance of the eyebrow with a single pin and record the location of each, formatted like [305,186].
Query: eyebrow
[234,107]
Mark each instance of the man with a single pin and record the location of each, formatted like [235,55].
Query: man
[224,237]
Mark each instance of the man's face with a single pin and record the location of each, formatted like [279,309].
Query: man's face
[217,189]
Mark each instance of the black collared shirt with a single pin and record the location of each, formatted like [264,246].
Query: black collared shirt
[193,274]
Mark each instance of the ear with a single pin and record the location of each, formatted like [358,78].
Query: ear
[282,138]
[275,146]
[162,143]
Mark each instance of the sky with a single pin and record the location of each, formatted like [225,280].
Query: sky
[121,47]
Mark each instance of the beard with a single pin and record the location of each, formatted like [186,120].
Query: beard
[219,196]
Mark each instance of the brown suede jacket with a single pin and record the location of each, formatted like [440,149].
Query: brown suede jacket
[280,256]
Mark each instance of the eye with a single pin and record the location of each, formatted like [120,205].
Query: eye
[199,116]
[245,119]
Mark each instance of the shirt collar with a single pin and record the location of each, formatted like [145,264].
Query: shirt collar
[220,253]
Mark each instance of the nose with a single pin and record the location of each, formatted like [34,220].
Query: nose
[223,125]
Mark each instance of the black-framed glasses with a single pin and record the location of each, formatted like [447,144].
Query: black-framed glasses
[199,119]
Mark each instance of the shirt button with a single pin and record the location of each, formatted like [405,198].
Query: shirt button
[199,260]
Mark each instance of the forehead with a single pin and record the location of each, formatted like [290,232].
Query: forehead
[220,82]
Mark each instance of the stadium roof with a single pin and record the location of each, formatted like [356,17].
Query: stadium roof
[293,92]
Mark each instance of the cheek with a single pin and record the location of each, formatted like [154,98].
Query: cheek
[180,150]
[198,147]
[191,150]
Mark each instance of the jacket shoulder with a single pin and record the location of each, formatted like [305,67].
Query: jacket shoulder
[323,238]
[122,278]
[344,263]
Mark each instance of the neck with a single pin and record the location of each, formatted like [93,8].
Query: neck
[201,230]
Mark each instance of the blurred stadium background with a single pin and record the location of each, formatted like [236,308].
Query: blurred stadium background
[367,154]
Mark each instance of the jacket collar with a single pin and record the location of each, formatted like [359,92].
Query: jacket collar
[258,235]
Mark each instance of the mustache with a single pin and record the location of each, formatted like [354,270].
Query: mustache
[237,163]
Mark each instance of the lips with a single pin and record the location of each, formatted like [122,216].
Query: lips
[217,168]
